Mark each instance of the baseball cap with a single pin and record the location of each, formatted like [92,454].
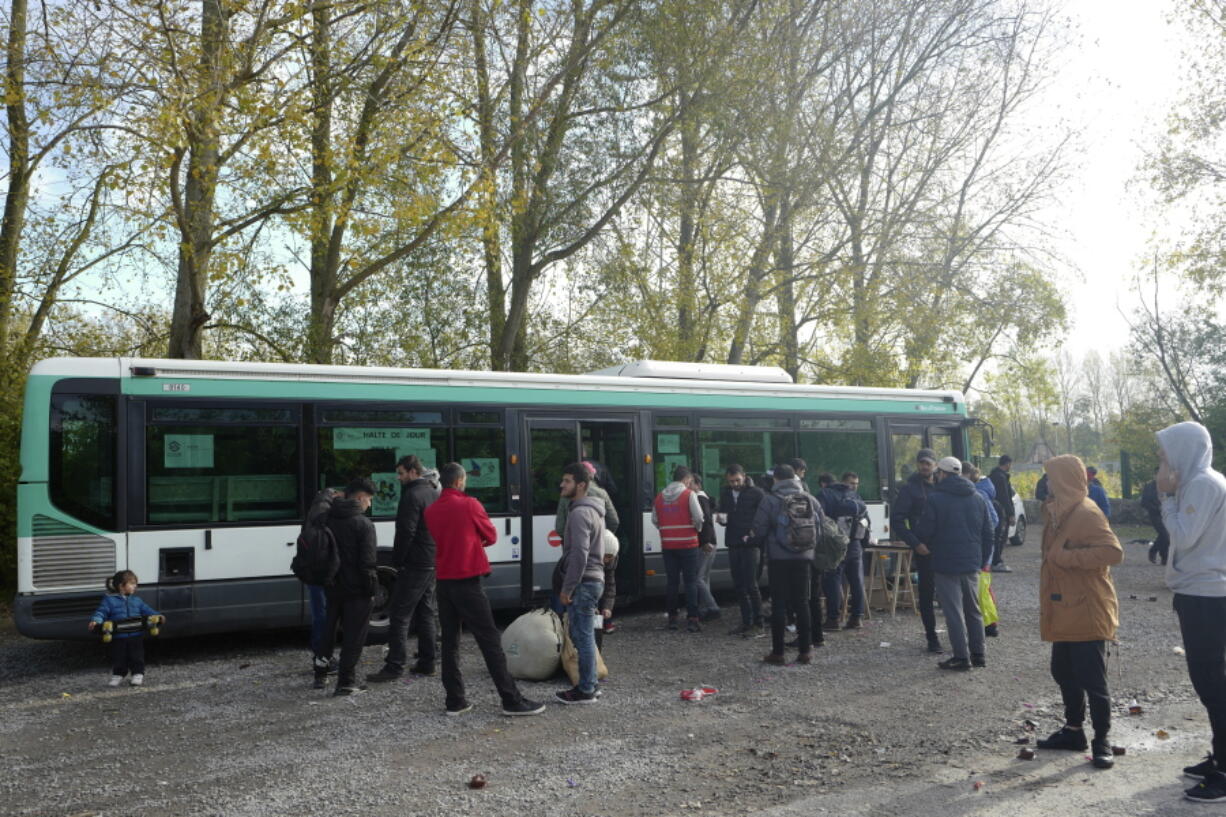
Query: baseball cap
[950,465]
[926,454]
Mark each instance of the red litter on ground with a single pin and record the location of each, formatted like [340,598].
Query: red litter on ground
[697,693]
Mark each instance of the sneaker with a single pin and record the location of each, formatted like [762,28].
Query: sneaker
[138,679]
[991,631]
[1201,770]
[354,689]
[609,626]
[1073,740]
[574,695]
[712,615]
[805,658]
[332,665]
[1210,790]
[1101,755]
[955,663]
[383,676]
[979,661]
[791,628]
[523,708]
[692,626]
[1001,568]
[832,626]
[853,623]
[458,709]
[934,644]
[772,658]
[424,670]
[115,681]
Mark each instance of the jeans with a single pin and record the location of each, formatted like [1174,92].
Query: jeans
[581,619]
[852,569]
[744,563]
[706,602]
[959,593]
[128,655]
[353,615]
[927,590]
[319,616]
[679,563]
[463,601]
[412,598]
[1204,643]
[1080,668]
[789,586]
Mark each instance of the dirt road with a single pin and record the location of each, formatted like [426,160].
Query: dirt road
[230,726]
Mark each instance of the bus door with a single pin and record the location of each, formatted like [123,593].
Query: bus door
[552,443]
[907,438]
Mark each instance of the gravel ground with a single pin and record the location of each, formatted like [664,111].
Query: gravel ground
[230,726]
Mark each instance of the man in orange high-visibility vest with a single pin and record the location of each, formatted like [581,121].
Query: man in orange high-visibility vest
[678,514]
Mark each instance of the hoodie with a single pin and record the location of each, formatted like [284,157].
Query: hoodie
[986,489]
[583,543]
[766,523]
[355,544]
[956,527]
[413,547]
[669,496]
[1195,516]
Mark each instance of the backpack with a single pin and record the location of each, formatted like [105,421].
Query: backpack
[798,521]
[831,545]
[317,558]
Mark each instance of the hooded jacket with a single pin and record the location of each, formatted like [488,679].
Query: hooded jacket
[1076,595]
[611,520]
[766,525]
[988,491]
[740,508]
[462,530]
[413,546]
[908,507]
[672,495]
[118,607]
[956,527]
[1195,517]
[583,543]
[355,544]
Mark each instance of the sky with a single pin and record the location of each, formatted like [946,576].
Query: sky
[1117,89]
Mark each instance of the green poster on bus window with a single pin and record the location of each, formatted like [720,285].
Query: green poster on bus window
[668,443]
[188,451]
[387,494]
[411,440]
[483,472]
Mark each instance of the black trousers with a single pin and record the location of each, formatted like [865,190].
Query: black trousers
[927,592]
[816,584]
[1162,545]
[352,613]
[412,600]
[789,586]
[128,655]
[1204,642]
[1080,668]
[463,601]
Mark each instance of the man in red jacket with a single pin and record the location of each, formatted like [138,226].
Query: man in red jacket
[462,530]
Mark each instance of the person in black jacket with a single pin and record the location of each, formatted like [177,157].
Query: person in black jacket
[413,557]
[738,502]
[841,502]
[351,595]
[1003,484]
[1152,503]
[908,507]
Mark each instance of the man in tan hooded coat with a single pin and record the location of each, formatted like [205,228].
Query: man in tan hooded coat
[1078,610]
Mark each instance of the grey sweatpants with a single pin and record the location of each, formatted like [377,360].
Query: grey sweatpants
[959,597]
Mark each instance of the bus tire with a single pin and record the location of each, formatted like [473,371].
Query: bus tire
[380,618]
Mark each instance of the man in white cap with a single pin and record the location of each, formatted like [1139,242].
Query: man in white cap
[958,531]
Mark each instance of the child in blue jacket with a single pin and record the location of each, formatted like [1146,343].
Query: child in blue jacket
[127,649]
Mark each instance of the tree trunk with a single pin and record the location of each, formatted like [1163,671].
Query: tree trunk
[196,215]
[18,195]
[325,254]
[491,243]
[752,294]
[687,304]
[785,295]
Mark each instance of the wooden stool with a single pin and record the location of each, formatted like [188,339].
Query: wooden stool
[894,586]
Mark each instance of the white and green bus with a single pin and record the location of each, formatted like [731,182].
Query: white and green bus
[196,474]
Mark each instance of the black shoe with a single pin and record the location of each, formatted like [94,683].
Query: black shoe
[991,631]
[1201,770]
[458,709]
[383,676]
[574,695]
[321,680]
[692,626]
[424,670]
[523,708]
[1073,740]
[979,661]
[934,644]
[352,689]
[955,663]
[853,623]
[1210,790]
[332,665]
[712,615]
[832,626]
[1101,755]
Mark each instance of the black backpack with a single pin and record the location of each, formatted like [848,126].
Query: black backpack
[317,558]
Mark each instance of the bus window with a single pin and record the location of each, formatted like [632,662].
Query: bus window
[349,452]
[942,442]
[83,457]
[755,451]
[220,473]
[905,446]
[672,448]
[839,452]
[482,452]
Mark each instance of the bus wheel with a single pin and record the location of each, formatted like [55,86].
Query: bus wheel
[380,611]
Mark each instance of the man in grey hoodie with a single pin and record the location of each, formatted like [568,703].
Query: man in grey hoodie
[583,579]
[1194,512]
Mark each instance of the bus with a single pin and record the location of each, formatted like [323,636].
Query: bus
[197,474]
